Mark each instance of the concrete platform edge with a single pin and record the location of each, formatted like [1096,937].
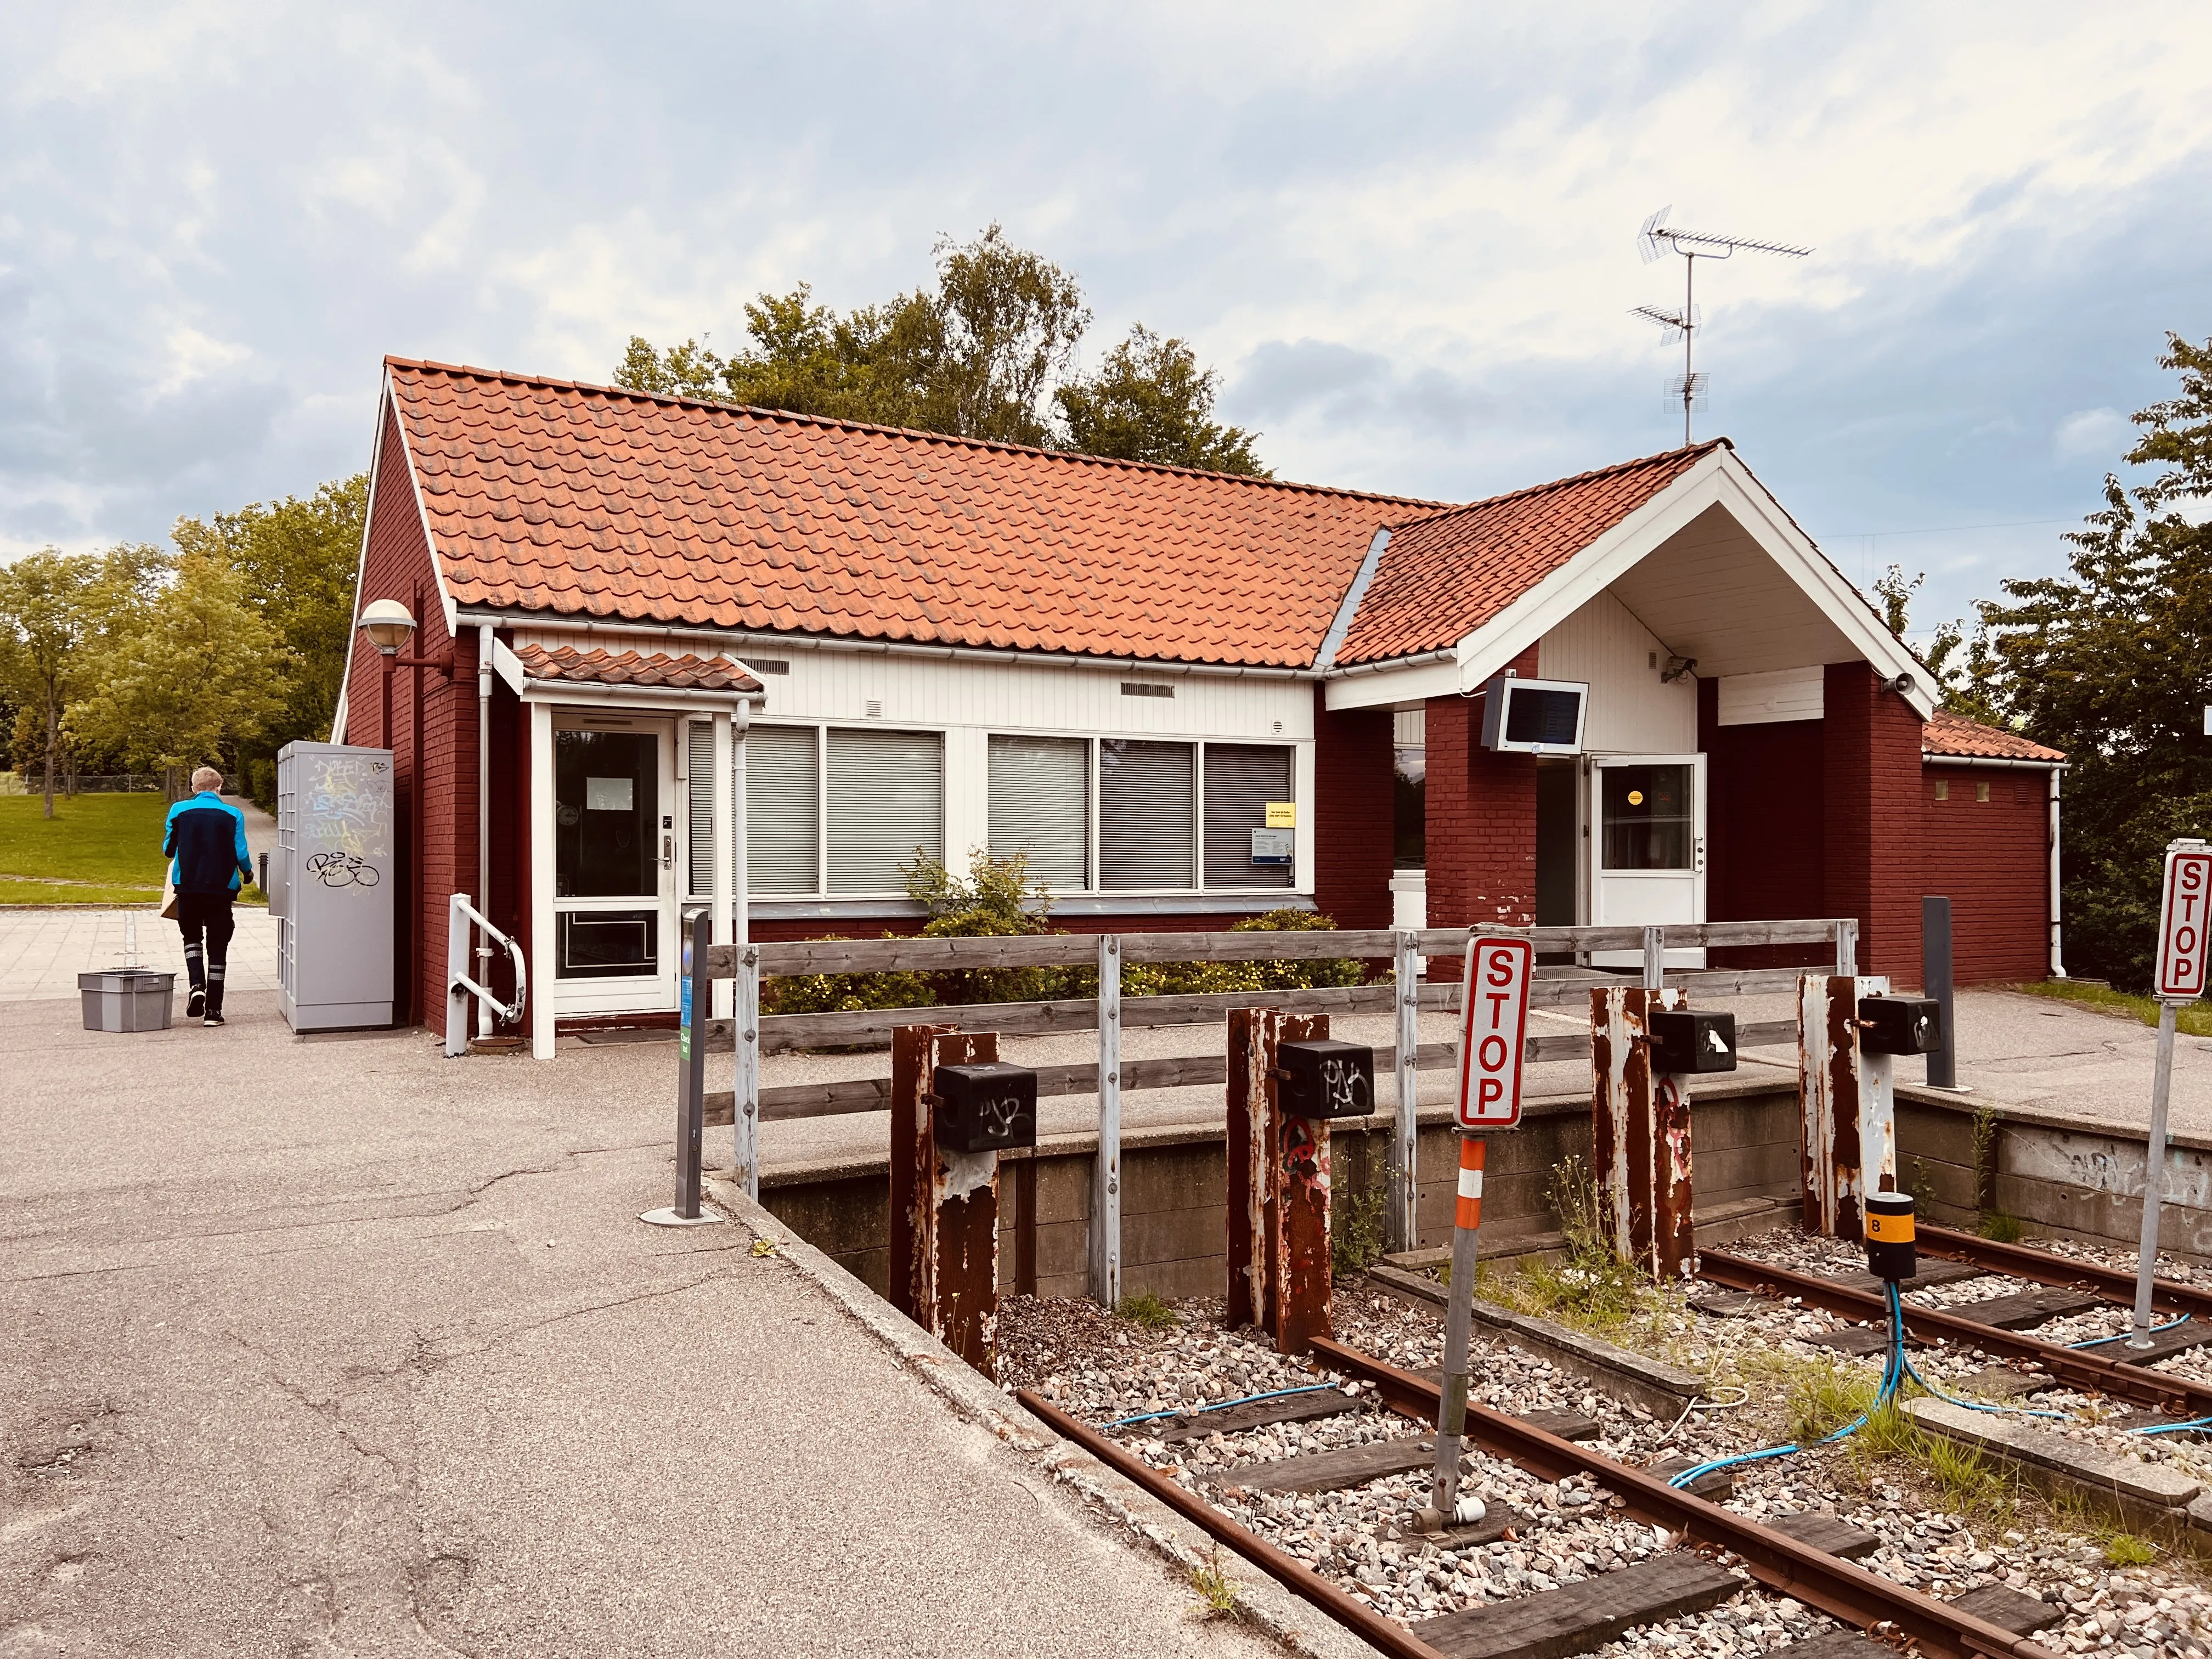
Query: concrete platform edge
[1268,1607]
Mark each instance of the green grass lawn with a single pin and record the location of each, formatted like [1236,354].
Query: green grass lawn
[2195,1021]
[97,849]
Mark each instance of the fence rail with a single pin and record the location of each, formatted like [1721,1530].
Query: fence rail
[1108,1012]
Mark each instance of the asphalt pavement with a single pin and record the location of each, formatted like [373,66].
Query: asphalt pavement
[337,1347]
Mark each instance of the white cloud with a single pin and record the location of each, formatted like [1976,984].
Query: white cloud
[2094,433]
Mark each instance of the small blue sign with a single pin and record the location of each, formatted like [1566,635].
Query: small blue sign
[684,1037]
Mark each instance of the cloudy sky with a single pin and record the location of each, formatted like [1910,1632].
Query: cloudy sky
[1406,234]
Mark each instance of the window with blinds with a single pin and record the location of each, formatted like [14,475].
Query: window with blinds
[699,806]
[782,809]
[1041,807]
[1241,779]
[886,804]
[1148,815]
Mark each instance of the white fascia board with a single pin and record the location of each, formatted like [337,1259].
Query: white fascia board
[446,605]
[360,560]
[507,664]
[1719,479]
[663,698]
[1415,682]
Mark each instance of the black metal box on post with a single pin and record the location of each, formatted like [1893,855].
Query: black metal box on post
[1688,1040]
[1323,1077]
[1900,1025]
[986,1107]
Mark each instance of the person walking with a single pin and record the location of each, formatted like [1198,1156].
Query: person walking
[205,842]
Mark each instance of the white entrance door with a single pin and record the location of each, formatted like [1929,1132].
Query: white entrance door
[615,943]
[1647,847]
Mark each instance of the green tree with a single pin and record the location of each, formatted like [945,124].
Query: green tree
[298,559]
[1150,401]
[45,619]
[196,672]
[1965,685]
[989,352]
[2112,662]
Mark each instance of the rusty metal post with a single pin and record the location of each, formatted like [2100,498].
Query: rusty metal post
[1847,1105]
[1640,1136]
[1278,1189]
[945,1205]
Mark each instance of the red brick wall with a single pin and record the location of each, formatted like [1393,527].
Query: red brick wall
[1481,825]
[437,801]
[1353,814]
[1765,826]
[1992,859]
[1870,851]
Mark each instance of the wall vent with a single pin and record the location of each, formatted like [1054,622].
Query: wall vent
[1145,689]
[768,664]
[875,709]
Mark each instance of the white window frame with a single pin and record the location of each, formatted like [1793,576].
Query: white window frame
[821,729]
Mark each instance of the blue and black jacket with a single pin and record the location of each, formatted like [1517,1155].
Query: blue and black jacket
[206,843]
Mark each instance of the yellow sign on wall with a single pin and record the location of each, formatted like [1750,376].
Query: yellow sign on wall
[1282,815]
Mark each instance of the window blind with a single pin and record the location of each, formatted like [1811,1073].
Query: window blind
[1148,815]
[783,809]
[699,801]
[1041,807]
[886,803]
[1241,779]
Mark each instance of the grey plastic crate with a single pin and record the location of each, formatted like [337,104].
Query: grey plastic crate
[127,999]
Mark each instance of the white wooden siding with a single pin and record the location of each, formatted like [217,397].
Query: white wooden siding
[1790,693]
[1631,712]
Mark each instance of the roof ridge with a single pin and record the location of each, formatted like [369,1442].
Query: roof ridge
[1569,482]
[1077,456]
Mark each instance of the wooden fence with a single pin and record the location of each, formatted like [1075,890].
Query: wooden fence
[1405,996]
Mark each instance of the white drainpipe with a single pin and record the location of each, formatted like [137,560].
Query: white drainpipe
[2058,958]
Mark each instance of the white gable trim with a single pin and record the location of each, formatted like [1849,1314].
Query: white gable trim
[1719,479]
[361,559]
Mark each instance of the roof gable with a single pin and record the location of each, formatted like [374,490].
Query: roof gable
[1442,576]
[594,501]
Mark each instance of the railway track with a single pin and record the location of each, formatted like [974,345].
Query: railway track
[1735,1555]
[2077,1368]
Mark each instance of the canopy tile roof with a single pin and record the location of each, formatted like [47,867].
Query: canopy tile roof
[657,668]
[594,501]
[1955,735]
[1442,576]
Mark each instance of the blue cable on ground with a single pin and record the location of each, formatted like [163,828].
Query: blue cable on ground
[2100,1341]
[1193,1411]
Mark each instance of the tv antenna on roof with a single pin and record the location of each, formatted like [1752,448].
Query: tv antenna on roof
[1657,238]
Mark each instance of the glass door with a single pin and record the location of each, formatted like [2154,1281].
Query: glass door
[614,868]
[1647,849]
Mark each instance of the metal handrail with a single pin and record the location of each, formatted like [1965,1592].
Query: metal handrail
[458,980]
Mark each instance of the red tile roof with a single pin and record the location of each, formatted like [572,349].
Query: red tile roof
[1947,733]
[1443,577]
[645,668]
[588,500]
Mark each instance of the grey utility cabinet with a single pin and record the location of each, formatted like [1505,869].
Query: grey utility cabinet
[332,885]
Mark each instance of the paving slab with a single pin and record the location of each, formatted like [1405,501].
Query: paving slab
[341,1346]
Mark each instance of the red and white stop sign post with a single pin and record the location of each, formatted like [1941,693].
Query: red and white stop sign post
[2184,918]
[1494,1038]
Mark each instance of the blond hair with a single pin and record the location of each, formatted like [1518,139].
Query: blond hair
[207,778]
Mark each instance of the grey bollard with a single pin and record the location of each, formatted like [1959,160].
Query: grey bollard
[1936,981]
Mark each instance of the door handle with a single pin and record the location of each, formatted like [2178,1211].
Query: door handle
[1701,855]
[668,851]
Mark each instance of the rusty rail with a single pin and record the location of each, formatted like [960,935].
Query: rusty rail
[1837,1587]
[2076,1367]
[2042,1267]
[1371,1627]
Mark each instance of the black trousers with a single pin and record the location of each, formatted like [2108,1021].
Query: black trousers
[205,920]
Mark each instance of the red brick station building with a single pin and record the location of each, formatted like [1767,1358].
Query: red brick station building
[652,630]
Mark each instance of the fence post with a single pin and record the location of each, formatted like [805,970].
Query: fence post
[1406,1132]
[745,1022]
[458,935]
[697,992]
[1847,946]
[1106,1170]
